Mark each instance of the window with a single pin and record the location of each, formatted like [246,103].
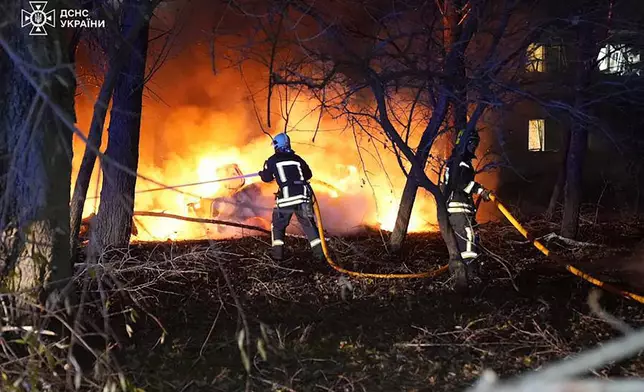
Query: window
[556,58]
[618,59]
[536,58]
[537,135]
[546,57]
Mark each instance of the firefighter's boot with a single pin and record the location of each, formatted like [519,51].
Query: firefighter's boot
[473,272]
[459,272]
[317,251]
[277,252]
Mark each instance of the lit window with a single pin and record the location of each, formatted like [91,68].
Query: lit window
[618,59]
[537,135]
[536,58]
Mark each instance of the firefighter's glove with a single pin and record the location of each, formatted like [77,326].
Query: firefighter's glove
[485,194]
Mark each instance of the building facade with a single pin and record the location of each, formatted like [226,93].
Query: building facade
[532,132]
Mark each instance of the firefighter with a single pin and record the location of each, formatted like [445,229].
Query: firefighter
[292,174]
[459,188]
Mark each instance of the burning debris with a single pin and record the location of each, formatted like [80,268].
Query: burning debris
[249,204]
[244,205]
[230,171]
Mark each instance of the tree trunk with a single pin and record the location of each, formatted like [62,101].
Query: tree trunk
[83,179]
[446,229]
[573,188]
[458,113]
[114,219]
[561,178]
[457,116]
[404,214]
[579,132]
[411,185]
[36,151]
[442,216]
[95,135]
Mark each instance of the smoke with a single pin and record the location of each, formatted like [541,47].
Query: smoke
[196,121]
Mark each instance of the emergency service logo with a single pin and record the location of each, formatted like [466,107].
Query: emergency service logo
[38,18]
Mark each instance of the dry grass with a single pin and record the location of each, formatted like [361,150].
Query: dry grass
[180,315]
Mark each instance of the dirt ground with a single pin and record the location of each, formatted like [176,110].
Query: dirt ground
[311,329]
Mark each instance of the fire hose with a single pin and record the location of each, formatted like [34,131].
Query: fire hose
[444,268]
[554,257]
[200,183]
[329,260]
[433,273]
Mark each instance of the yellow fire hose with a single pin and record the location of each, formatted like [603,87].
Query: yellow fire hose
[325,249]
[444,268]
[570,268]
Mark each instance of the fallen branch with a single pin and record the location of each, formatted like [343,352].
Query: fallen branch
[568,241]
[200,220]
[504,264]
[525,242]
[554,236]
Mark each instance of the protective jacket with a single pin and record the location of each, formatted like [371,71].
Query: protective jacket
[460,186]
[292,174]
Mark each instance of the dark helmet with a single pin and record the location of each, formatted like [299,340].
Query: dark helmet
[469,145]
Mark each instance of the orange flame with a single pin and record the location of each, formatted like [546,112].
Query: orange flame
[189,142]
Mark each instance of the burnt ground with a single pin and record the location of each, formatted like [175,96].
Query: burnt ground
[310,329]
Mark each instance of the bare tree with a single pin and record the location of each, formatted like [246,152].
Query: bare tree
[590,27]
[119,50]
[391,67]
[595,25]
[455,42]
[114,219]
[561,178]
[590,31]
[35,169]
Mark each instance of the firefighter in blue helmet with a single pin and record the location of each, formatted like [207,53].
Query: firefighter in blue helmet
[459,188]
[292,174]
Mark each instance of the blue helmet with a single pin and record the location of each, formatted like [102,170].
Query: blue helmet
[282,143]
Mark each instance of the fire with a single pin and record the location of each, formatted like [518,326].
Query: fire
[191,143]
